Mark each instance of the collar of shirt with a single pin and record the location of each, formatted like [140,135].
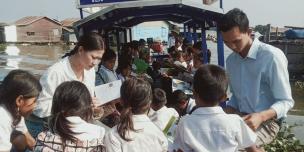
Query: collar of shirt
[253,51]
[208,110]
[164,108]
[140,118]
[106,69]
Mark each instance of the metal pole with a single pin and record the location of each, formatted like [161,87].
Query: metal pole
[81,13]
[194,35]
[220,49]
[204,45]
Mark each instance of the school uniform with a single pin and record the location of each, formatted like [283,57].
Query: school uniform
[162,116]
[147,138]
[210,129]
[105,75]
[55,75]
[6,128]
[89,138]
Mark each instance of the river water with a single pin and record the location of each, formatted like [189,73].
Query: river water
[37,58]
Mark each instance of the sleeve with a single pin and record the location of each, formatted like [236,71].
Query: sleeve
[21,126]
[245,136]
[280,86]
[179,140]
[5,144]
[49,82]
[111,143]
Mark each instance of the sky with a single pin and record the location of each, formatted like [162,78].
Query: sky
[260,12]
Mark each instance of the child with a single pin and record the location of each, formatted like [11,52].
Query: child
[182,103]
[18,94]
[135,132]
[209,128]
[69,128]
[179,60]
[162,114]
[106,73]
[124,71]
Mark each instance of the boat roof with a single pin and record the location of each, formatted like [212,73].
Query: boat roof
[126,15]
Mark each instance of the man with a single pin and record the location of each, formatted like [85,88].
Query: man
[259,79]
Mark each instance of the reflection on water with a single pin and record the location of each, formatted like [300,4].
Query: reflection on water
[37,59]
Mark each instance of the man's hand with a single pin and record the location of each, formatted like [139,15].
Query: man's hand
[253,120]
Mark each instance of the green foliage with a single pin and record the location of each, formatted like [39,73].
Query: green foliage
[285,141]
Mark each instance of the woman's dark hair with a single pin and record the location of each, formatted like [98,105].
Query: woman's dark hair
[71,98]
[16,83]
[234,18]
[210,83]
[136,96]
[89,41]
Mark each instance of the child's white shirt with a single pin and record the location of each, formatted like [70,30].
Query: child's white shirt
[148,138]
[162,116]
[6,128]
[210,129]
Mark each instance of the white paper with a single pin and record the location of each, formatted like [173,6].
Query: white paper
[107,92]
[181,85]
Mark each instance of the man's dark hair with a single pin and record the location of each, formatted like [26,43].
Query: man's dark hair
[210,84]
[234,18]
[159,97]
[179,95]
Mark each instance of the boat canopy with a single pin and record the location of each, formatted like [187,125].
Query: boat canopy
[190,12]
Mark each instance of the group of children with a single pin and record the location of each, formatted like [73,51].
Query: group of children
[71,127]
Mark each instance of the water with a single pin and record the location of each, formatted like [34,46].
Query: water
[37,59]
[34,58]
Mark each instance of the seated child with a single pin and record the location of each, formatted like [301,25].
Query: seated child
[182,103]
[162,114]
[106,72]
[70,129]
[135,132]
[209,128]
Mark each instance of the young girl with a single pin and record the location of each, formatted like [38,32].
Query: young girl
[124,71]
[18,93]
[69,129]
[76,65]
[106,72]
[135,132]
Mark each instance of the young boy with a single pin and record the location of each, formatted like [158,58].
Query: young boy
[162,114]
[182,103]
[209,128]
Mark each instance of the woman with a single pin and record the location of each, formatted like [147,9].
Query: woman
[135,131]
[69,128]
[76,65]
[18,93]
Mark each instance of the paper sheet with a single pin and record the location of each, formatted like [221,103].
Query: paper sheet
[107,92]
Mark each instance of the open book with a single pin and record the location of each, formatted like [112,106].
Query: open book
[107,92]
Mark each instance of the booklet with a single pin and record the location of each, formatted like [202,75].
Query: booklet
[107,92]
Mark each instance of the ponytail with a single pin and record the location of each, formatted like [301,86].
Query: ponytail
[126,123]
[61,126]
[136,95]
